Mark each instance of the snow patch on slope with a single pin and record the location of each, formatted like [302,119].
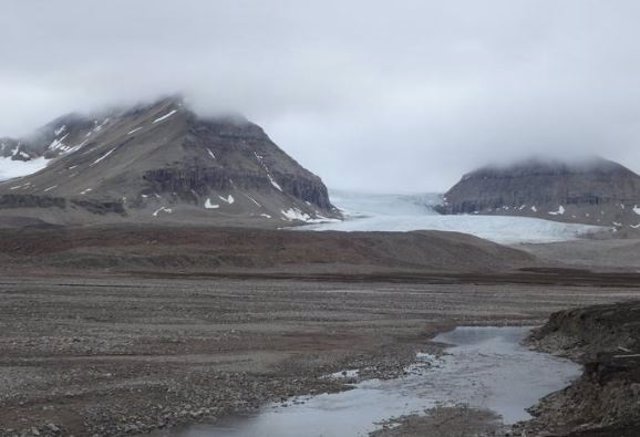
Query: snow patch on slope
[209,205]
[253,200]
[162,209]
[273,182]
[164,117]
[229,199]
[58,143]
[97,161]
[559,211]
[295,214]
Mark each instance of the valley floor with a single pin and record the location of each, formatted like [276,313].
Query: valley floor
[124,355]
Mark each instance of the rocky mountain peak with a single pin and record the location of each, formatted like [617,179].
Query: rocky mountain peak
[161,161]
[592,190]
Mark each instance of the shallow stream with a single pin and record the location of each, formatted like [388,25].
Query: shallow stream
[486,367]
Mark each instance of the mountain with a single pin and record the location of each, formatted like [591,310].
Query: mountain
[160,162]
[594,191]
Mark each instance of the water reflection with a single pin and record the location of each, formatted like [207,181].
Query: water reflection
[486,367]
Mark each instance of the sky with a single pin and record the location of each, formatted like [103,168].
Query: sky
[376,96]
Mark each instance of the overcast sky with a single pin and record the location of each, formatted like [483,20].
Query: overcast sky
[370,95]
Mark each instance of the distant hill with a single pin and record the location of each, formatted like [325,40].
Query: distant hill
[192,249]
[160,162]
[594,191]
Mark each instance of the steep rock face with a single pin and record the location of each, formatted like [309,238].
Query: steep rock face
[594,191]
[161,162]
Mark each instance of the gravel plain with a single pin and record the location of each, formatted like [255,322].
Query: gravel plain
[122,355]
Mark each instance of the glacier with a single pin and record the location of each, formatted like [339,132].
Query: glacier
[10,169]
[411,212]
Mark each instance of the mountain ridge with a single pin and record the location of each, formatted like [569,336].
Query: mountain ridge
[592,191]
[159,160]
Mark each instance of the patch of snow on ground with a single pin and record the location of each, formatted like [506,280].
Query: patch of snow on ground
[253,200]
[209,205]
[58,143]
[162,209]
[559,211]
[83,192]
[273,182]
[164,117]
[50,188]
[74,148]
[228,199]
[97,161]
[14,169]
[295,214]
[636,209]
[134,131]
[401,213]
[99,127]
[211,154]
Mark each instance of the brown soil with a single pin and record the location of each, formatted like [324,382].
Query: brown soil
[205,249]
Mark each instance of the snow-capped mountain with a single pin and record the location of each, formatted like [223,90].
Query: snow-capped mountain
[594,191]
[158,162]
[389,212]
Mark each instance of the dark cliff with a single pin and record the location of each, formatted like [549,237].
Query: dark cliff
[595,191]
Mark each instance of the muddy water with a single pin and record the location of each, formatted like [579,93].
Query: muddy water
[485,367]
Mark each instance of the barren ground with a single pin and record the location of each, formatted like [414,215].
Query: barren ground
[88,355]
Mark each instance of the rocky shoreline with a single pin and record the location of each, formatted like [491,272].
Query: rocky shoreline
[605,400]
[445,421]
[205,397]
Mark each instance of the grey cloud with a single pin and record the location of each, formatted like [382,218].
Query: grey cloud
[381,96]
